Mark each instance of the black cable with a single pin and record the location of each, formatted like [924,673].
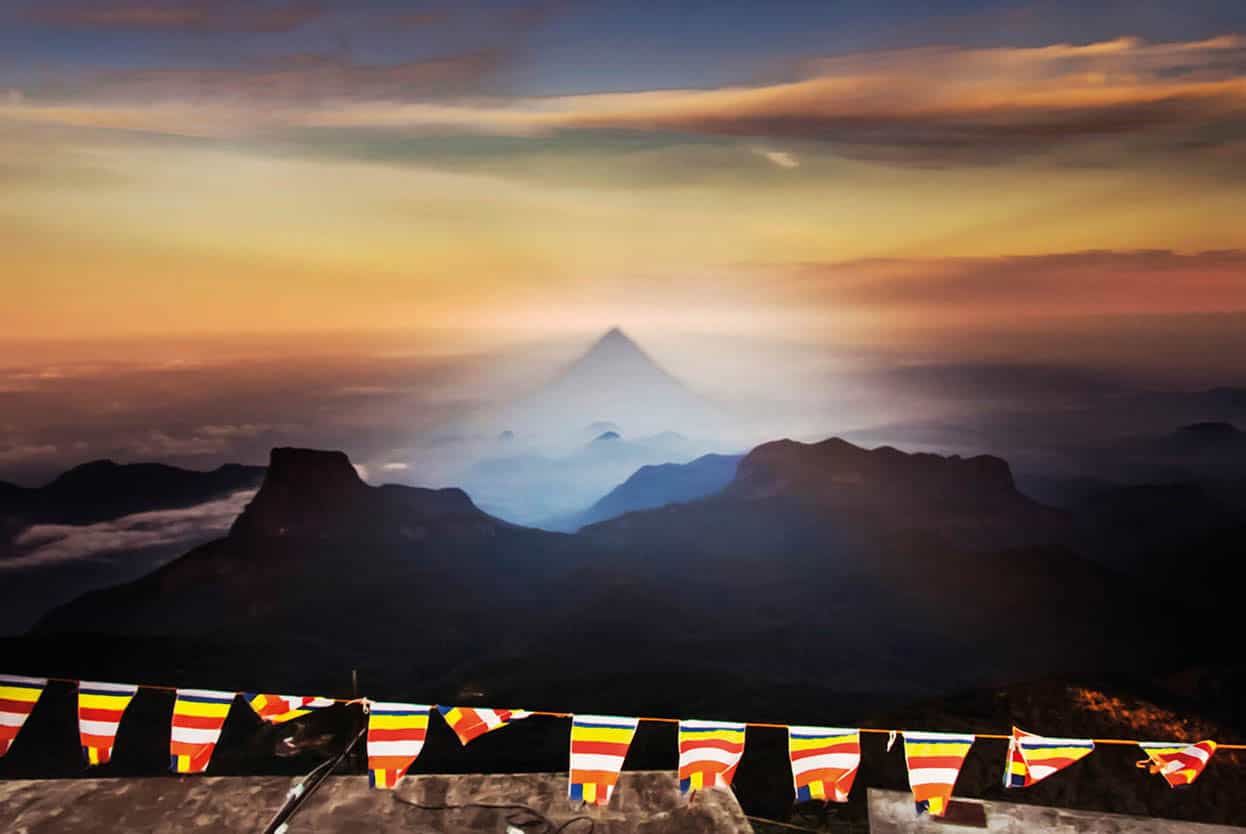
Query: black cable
[535,817]
[301,792]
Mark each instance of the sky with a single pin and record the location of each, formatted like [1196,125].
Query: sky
[190,181]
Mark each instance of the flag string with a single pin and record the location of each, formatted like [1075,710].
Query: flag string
[666,720]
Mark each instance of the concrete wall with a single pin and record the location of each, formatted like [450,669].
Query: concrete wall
[892,812]
[644,803]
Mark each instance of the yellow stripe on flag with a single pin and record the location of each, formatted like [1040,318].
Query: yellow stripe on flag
[202,709]
[607,734]
[103,701]
[398,722]
[19,693]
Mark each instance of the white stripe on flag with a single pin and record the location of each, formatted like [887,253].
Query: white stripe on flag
[97,728]
[210,694]
[933,776]
[841,761]
[91,687]
[394,748]
[709,754]
[596,761]
[190,735]
[12,719]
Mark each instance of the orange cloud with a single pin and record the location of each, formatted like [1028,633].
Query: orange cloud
[924,106]
[1003,289]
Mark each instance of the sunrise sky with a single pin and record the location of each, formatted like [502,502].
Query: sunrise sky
[230,225]
[876,170]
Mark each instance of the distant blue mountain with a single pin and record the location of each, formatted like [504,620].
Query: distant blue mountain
[655,486]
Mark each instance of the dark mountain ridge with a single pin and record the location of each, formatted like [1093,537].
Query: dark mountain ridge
[102,490]
[911,562]
[653,486]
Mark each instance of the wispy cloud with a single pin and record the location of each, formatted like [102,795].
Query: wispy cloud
[45,544]
[782,159]
[923,106]
[1002,289]
[187,15]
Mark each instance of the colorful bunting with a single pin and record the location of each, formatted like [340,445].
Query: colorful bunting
[18,696]
[100,707]
[395,737]
[1033,758]
[824,761]
[1179,764]
[709,752]
[276,709]
[598,747]
[471,723]
[934,761]
[198,715]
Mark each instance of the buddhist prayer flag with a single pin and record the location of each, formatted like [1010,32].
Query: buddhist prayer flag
[934,761]
[1179,764]
[18,697]
[100,707]
[470,723]
[1033,758]
[598,747]
[396,735]
[709,752]
[276,709]
[198,715]
[824,761]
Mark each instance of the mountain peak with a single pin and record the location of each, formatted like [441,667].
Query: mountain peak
[317,492]
[836,472]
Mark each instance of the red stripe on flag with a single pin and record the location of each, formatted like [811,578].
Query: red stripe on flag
[19,707]
[604,748]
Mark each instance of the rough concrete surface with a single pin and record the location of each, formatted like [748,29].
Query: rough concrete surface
[892,812]
[645,802]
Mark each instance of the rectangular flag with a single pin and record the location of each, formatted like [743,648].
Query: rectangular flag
[709,752]
[396,735]
[1033,758]
[933,761]
[598,747]
[198,715]
[1179,764]
[276,709]
[18,696]
[470,723]
[824,761]
[100,707]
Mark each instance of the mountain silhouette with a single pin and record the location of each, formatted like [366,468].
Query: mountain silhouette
[613,383]
[102,490]
[722,587]
[654,486]
[102,523]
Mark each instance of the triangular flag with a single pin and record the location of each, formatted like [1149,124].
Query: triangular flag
[824,761]
[396,735]
[1033,758]
[598,747]
[1179,764]
[277,709]
[18,696]
[934,761]
[891,739]
[100,707]
[709,752]
[471,723]
[198,715]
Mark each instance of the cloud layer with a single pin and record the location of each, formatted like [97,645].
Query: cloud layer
[924,106]
[47,544]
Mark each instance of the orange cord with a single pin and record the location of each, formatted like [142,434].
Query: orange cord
[676,720]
